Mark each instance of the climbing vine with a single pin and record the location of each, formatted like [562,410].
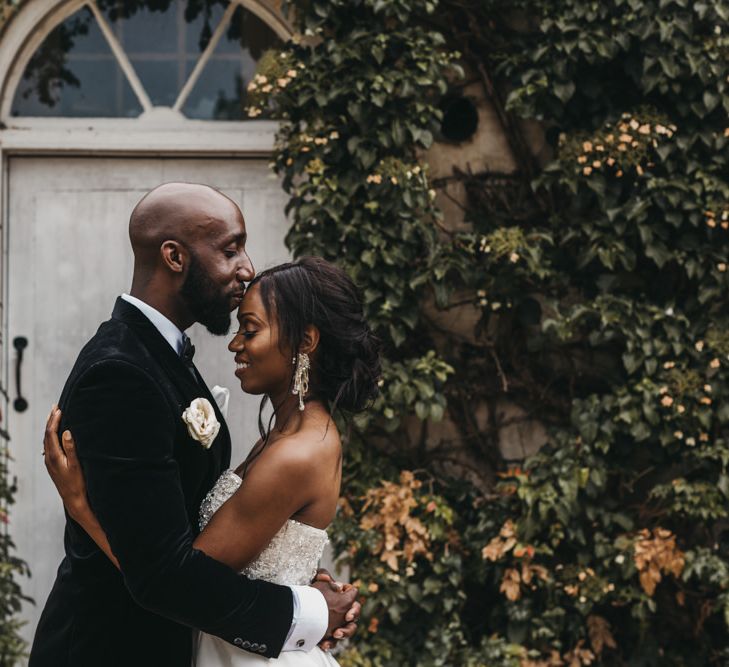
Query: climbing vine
[597,273]
[12,568]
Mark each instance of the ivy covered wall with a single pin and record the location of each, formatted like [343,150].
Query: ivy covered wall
[597,271]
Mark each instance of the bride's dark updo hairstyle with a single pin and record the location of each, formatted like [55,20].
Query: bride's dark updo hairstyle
[345,369]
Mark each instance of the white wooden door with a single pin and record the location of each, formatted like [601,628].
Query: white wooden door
[69,258]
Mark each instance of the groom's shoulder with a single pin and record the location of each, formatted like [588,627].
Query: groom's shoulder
[114,358]
[114,368]
[114,342]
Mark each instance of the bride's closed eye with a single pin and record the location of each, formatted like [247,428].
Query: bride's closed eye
[246,334]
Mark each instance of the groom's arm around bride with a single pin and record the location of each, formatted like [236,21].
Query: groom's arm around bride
[139,500]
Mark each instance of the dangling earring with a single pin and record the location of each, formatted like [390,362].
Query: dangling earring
[301,378]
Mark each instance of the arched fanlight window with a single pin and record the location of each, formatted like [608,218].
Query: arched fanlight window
[122,58]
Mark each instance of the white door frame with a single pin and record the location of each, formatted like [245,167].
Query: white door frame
[159,132]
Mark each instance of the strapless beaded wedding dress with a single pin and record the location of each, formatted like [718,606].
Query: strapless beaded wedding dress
[290,559]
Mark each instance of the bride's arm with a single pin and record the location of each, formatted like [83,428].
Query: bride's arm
[287,477]
[283,481]
[65,471]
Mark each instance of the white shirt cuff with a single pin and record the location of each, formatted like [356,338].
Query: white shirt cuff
[311,619]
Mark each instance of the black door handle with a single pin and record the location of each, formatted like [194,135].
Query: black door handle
[19,343]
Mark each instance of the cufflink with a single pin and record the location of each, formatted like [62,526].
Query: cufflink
[300,643]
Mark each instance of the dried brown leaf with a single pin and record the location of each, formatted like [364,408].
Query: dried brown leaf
[510,585]
[598,630]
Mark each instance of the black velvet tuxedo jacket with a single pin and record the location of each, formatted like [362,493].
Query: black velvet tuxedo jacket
[146,478]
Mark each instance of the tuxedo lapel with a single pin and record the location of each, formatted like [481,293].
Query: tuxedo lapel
[179,375]
[221,447]
[154,341]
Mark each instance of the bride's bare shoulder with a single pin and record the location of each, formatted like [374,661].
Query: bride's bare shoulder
[312,447]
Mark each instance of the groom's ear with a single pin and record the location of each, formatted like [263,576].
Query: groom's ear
[310,339]
[174,256]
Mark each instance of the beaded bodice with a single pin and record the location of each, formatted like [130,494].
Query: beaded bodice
[292,556]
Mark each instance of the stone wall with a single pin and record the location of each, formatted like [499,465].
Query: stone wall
[485,152]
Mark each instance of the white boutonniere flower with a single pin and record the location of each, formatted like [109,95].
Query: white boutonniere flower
[202,424]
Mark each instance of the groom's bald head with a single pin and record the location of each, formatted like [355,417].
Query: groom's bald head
[182,212]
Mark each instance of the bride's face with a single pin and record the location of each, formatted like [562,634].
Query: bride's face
[261,366]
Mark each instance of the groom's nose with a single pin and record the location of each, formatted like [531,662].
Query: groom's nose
[245,271]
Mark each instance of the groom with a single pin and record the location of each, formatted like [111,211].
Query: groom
[146,476]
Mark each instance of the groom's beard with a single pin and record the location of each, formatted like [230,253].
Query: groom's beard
[207,302]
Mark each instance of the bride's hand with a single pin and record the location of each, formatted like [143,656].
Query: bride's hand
[63,466]
[346,629]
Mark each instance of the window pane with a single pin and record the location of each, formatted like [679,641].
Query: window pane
[143,30]
[161,39]
[154,36]
[74,73]
[200,25]
[220,92]
[160,78]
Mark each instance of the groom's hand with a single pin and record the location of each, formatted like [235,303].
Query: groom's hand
[344,610]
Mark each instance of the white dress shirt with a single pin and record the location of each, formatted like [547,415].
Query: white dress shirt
[311,614]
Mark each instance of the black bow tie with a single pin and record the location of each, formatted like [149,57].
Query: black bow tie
[188,350]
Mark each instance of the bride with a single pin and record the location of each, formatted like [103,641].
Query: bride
[304,345]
